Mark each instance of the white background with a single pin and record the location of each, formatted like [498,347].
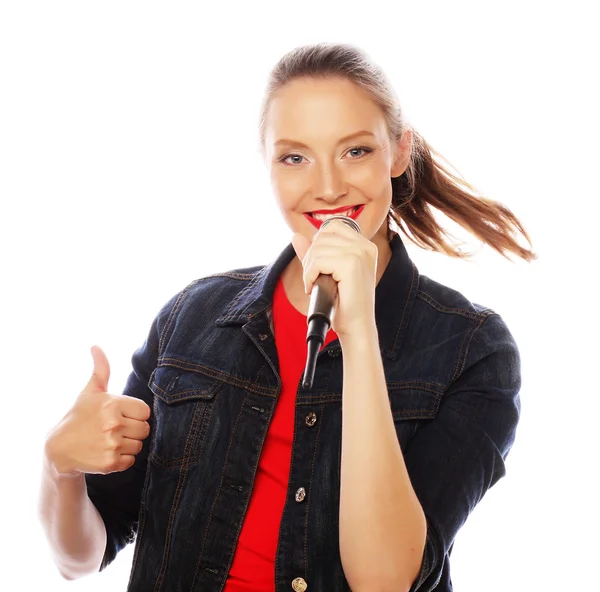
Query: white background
[129,167]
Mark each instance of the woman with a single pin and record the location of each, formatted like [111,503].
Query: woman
[250,481]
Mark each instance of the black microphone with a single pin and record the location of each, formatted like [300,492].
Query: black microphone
[323,299]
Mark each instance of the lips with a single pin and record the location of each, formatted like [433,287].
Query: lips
[336,211]
[317,223]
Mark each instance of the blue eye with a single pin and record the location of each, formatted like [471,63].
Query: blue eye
[285,157]
[367,150]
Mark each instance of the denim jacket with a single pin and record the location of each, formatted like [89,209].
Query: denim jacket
[209,371]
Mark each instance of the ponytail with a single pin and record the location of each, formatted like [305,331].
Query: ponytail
[428,184]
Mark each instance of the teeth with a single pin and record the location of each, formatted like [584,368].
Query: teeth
[348,212]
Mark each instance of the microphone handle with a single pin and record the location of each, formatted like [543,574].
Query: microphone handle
[321,309]
[323,298]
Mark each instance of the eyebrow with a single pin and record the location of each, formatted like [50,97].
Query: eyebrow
[342,140]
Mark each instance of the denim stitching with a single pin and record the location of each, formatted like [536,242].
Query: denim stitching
[323,398]
[287,496]
[230,558]
[207,528]
[312,472]
[196,427]
[232,275]
[408,302]
[464,348]
[228,314]
[410,414]
[227,378]
[432,387]
[169,322]
[207,391]
[177,499]
[475,316]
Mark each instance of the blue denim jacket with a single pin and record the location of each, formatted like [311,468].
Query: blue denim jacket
[209,371]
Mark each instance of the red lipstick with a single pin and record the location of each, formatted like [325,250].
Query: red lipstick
[342,209]
[317,223]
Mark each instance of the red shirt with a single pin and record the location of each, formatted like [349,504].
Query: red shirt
[253,567]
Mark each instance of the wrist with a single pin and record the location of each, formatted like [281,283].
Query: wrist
[55,464]
[361,334]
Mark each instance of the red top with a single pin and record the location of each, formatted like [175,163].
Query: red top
[253,567]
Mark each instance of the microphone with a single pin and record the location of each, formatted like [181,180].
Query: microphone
[323,299]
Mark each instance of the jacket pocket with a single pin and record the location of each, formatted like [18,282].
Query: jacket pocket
[183,406]
[413,404]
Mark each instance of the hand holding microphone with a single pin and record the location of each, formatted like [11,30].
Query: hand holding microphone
[340,275]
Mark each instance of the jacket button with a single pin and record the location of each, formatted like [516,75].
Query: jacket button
[311,419]
[300,494]
[299,585]
[263,336]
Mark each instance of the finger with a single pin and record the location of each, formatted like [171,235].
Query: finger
[135,429]
[329,241]
[327,260]
[125,462]
[101,372]
[322,265]
[340,243]
[134,408]
[336,228]
[130,446]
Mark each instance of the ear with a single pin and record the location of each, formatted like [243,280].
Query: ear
[403,151]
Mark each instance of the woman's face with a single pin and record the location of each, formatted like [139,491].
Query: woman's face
[326,147]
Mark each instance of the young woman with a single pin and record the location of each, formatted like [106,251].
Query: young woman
[251,482]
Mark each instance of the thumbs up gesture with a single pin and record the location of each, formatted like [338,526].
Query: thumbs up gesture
[101,433]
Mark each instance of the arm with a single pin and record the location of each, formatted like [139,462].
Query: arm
[72,524]
[465,445]
[92,478]
[376,494]
[117,496]
[89,517]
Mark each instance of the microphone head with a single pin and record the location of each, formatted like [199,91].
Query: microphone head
[345,219]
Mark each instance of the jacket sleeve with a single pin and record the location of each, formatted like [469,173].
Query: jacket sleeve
[456,457]
[117,495]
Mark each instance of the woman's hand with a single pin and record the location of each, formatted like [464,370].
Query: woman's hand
[101,433]
[351,259]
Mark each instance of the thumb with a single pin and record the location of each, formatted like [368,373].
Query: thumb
[101,374]
[301,245]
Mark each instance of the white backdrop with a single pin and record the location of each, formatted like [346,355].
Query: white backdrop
[128,168]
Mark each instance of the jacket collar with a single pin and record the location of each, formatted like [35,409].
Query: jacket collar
[394,296]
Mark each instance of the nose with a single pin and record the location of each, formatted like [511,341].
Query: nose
[328,182]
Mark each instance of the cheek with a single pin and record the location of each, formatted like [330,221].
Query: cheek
[287,187]
[373,180]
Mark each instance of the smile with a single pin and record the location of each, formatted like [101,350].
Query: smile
[317,219]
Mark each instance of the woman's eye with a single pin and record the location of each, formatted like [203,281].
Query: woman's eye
[352,151]
[285,158]
[363,148]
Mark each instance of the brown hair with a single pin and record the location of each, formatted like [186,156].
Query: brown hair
[427,182]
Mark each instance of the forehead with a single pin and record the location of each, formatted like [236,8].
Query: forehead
[321,106]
